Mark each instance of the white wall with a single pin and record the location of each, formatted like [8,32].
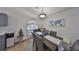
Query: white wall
[71,17]
[17,19]
[71,29]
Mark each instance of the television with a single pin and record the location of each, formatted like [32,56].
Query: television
[3,19]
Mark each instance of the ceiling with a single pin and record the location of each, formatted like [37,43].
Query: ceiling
[32,11]
[47,10]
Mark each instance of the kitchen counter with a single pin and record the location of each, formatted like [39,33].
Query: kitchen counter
[2,33]
[6,39]
[46,41]
[53,39]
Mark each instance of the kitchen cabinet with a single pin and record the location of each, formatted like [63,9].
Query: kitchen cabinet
[2,42]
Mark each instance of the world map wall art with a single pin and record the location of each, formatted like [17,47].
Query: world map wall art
[57,22]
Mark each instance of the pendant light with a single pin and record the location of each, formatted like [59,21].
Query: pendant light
[42,14]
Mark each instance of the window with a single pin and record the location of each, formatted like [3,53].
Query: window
[31,26]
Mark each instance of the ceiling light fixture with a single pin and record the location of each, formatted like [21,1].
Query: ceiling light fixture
[42,14]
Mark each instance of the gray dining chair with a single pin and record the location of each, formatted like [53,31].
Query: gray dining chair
[75,46]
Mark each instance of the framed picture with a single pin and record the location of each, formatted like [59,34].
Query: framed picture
[57,22]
